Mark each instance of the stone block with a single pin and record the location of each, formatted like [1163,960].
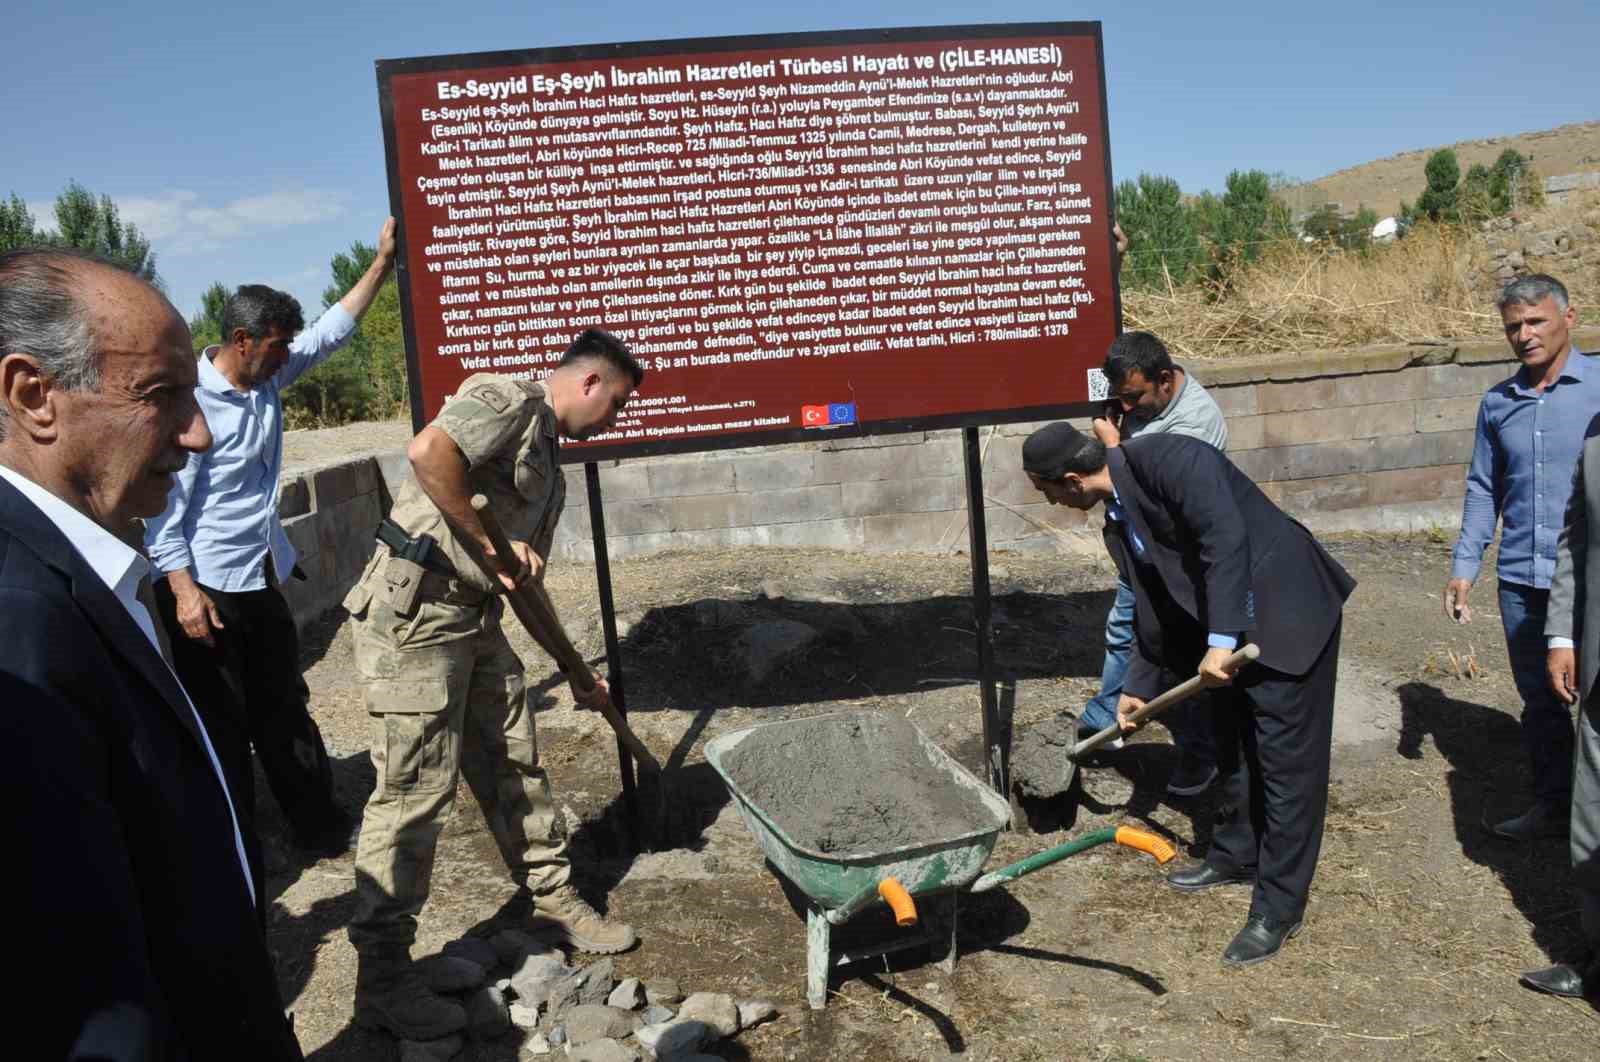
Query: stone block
[637,517]
[395,468]
[1328,425]
[1318,460]
[1310,495]
[1416,484]
[670,479]
[914,531]
[1376,387]
[294,497]
[1246,433]
[1010,485]
[814,534]
[793,506]
[333,484]
[1454,381]
[925,494]
[858,442]
[849,466]
[1447,414]
[697,512]
[1007,526]
[368,478]
[1479,352]
[941,455]
[1295,395]
[1235,400]
[624,480]
[778,471]
[302,533]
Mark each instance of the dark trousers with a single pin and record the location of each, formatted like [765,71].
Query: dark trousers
[1274,733]
[247,687]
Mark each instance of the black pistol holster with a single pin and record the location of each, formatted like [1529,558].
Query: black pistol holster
[409,558]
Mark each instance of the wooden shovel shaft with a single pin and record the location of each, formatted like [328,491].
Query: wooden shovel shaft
[1181,692]
[533,611]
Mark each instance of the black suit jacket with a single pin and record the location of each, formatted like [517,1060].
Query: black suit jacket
[122,877]
[1217,556]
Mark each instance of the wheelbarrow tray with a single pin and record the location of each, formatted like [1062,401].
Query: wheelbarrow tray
[835,879]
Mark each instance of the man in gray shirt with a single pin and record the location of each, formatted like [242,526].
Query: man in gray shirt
[1153,395]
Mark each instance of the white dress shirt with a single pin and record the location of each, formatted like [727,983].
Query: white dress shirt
[120,567]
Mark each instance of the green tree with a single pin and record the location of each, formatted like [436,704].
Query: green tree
[366,378]
[1438,201]
[1513,183]
[91,224]
[1165,241]
[206,326]
[1243,222]
[16,224]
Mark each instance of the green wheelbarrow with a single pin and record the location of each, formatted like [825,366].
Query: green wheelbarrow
[838,886]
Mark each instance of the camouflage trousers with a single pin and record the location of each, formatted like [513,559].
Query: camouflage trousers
[445,695]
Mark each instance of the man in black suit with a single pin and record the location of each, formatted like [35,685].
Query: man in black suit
[1213,564]
[126,872]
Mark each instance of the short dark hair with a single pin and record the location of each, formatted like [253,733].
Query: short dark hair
[1531,291]
[258,310]
[1139,352]
[598,343]
[1056,449]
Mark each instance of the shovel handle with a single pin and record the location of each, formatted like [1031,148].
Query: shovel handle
[1181,692]
[536,616]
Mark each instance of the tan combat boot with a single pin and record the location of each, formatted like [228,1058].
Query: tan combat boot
[391,995]
[561,914]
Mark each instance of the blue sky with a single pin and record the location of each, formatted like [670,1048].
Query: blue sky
[245,140]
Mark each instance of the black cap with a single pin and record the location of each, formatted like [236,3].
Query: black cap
[1047,452]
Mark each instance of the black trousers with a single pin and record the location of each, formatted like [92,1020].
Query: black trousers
[248,689]
[1274,733]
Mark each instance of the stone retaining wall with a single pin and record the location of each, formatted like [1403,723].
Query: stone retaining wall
[1374,439]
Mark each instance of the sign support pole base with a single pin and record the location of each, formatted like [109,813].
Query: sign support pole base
[996,737]
[608,620]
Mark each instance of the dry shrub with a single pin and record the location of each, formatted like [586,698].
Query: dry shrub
[1433,285]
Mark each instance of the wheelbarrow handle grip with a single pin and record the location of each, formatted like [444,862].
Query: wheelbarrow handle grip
[899,900]
[1177,694]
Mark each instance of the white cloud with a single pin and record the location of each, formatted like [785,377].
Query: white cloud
[181,222]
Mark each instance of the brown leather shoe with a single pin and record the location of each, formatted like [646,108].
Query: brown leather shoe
[562,915]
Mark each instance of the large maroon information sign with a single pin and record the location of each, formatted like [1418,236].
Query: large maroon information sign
[858,232]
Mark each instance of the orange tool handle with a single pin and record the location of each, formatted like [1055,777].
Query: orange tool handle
[1129,837]
[899,900]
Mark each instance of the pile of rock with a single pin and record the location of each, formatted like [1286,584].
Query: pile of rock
[1518,246]
[582,1012]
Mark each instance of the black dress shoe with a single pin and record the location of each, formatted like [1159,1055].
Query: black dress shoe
[1573,980]
[1258,941]
[1198,877]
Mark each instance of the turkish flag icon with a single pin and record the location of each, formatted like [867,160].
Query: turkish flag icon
[814,416]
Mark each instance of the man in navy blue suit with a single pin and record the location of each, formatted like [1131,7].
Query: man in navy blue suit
[1214,564]
[127,877]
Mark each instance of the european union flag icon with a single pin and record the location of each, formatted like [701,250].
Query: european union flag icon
[841,412]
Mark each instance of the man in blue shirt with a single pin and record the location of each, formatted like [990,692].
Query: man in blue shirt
[1529,435]
[222,555]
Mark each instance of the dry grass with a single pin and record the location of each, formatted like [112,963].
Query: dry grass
[1434,285]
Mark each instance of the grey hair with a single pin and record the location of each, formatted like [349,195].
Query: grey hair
[1531,291]
[42,316]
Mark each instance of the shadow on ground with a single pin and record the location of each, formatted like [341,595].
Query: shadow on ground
[1487,780]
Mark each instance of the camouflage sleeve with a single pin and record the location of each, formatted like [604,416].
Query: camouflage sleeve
[486,415]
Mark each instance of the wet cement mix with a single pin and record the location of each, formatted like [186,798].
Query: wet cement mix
[853,785]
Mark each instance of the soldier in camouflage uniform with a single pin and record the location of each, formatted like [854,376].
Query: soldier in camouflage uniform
[444,689]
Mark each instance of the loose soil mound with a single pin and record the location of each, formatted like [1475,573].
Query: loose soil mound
[853,785]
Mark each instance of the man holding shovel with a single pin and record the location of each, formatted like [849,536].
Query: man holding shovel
[443,687]
[1211,560]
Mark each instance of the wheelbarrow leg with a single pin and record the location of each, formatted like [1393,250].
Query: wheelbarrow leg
[949,962]
[818,957]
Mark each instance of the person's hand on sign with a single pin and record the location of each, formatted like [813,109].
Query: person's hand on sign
[1107,427]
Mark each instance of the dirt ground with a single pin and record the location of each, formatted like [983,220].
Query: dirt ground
[1419,920]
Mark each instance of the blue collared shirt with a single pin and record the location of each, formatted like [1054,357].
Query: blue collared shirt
[221,519]
[1523,460]
[1116,514]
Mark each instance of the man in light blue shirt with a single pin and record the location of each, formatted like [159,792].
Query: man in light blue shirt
[222,552]
[1529,435]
